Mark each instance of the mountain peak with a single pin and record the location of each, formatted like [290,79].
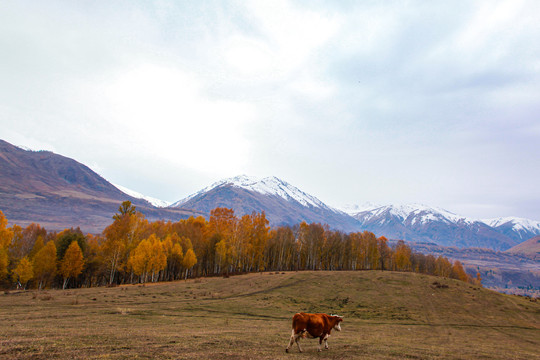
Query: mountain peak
[270,185]
[283,203]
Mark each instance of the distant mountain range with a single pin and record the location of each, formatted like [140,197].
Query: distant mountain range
[286,204]
[417,222]
[58,192]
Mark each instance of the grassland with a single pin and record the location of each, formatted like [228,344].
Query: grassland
[387,316]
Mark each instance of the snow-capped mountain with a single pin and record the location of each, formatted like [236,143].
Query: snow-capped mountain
[156,202]
[416,222]
[414,213]
[267,186]
[283,203]
[517,228]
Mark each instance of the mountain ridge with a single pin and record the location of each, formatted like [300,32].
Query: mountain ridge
[418,222]
[59,192]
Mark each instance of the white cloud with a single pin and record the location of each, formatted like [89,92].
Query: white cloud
[163,109]
[248,56]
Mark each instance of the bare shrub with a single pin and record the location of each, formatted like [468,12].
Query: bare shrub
[438,285]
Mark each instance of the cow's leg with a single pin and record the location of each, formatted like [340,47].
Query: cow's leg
[320,343]
[294,338]
[297,339]
[290,342]
[326,342]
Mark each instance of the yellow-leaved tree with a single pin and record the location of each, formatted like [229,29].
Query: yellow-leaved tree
[139,259]
[45,264]
[174,253]
[189,260]
[443,267]
[121,238]
[6,234]
[458,272]
[4,262]
[402,256]
[148,258]
[158,260]
[5,240]
[72,263]
[24,272]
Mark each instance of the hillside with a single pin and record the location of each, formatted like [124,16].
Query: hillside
[529,248]
[387,315]
[59,192]
[283,203]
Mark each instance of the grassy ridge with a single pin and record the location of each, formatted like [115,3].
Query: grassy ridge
[387,315]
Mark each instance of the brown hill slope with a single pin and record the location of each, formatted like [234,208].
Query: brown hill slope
[387,315]
[59,192]
[529,248]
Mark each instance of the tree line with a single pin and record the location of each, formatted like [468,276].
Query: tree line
[134,250]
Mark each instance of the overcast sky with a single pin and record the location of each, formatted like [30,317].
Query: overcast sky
[434,102]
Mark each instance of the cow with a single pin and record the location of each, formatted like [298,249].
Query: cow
[313,326]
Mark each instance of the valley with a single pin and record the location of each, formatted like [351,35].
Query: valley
[507,272]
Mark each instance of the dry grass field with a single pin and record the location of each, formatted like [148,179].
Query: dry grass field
[386,316]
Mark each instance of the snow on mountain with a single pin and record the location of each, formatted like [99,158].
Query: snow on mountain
[414,213]
[267,186]
[283,203]
[352,209]
[517,228]
[516,223]
[137,195]
[419,222]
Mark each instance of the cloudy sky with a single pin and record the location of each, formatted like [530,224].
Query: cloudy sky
[388,102]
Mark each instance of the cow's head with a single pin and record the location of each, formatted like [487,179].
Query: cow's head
[338,320]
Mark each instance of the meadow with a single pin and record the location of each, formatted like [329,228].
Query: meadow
[387,315]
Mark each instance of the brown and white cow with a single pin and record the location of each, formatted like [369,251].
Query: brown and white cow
[313,326]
